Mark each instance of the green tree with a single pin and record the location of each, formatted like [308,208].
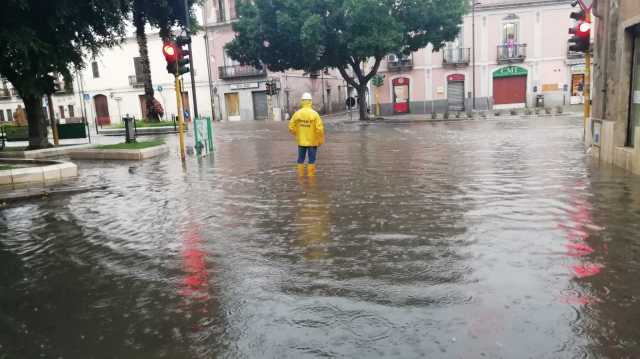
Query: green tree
[352,36]
[163,14]
[41,39]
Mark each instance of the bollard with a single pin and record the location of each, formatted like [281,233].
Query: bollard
[129,129]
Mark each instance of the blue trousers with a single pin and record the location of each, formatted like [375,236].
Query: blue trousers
[302,154]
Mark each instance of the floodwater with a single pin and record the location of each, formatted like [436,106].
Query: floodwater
[496,239]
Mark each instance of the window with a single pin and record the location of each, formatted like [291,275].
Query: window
[138,68]
[61,109]
[509,33]
[71,111]
[9,115]
[96,71]
[221,15]
[45,113]
[1,116]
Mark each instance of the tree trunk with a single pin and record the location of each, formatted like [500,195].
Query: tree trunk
[141,36]
[38,134]
[362,102]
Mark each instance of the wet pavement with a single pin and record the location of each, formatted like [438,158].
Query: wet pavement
[496,239]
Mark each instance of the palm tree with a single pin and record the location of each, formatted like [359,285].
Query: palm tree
[139,21]
[163,14]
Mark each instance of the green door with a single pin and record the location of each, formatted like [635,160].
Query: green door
[634,108]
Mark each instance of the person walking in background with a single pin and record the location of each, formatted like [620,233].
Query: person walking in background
[306,125]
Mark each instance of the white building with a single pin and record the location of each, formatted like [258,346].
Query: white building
[110,86]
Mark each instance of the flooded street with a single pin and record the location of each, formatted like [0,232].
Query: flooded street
[496,239]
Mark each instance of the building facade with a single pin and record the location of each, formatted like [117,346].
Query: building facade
[111,86]
[240,90]
[614,133]
[521,55]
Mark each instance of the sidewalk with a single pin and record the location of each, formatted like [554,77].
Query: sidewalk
[412,118]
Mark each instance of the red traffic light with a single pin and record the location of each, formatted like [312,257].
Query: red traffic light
[171,51]
[584,28]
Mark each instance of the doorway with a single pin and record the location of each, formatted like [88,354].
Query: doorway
[455,92]
[260,106]
[232,101]
[102,110]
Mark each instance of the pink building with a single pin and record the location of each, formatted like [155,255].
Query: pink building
[521,55]
[240,91]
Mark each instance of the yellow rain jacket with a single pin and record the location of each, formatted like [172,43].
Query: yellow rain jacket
[307,126]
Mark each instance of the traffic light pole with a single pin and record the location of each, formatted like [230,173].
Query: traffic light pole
[193,76]
[587,80]
[180,118]
[587,90]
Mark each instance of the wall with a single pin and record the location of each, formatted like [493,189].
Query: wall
[612,77]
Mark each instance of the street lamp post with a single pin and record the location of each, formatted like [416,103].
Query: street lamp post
[473,45]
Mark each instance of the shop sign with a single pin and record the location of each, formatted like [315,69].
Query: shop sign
[244,86]
[455,77]
[578,68]
[510,71]
[400,81]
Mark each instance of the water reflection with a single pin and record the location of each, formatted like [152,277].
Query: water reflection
[312,220]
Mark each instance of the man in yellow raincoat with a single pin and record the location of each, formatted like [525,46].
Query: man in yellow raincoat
[308,128]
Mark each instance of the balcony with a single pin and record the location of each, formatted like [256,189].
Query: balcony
[456,57]
[5,94]
[136,81]
[400,65]
[510,54]
[238,71]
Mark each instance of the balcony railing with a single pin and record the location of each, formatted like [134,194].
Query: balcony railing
[512,53]
[236,71]
[400,65]
[456,57]
[136,81]
[5,94]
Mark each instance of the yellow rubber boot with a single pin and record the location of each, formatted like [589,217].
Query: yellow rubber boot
[312,171]
[300,170]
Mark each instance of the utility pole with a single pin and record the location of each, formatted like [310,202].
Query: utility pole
[193,77]
[473,55]
[211,94]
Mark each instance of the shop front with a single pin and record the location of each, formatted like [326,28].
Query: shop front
[510,87]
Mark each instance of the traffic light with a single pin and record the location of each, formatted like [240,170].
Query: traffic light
[581,31]
[184,54]
[269,88]
[177,56]
[171,52]
[272,87]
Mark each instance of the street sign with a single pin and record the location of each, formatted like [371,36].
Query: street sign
[586,5]
[351,102]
